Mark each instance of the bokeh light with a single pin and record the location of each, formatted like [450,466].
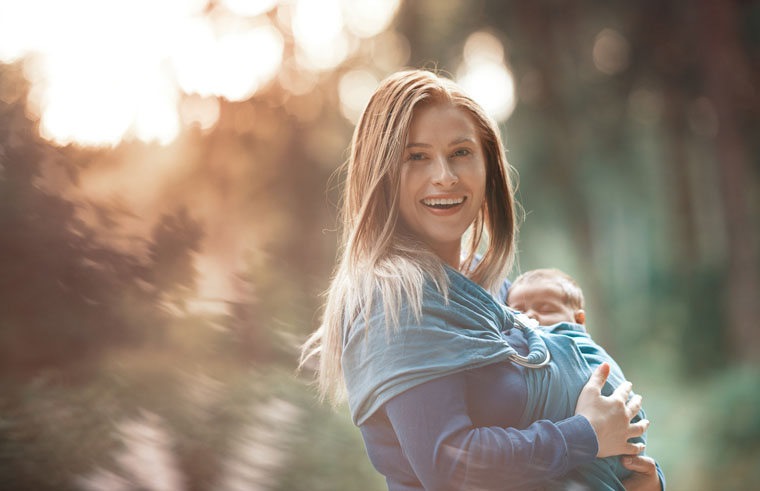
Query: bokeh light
[318,30]
[367,18]
[610,52]
[389,50]
[482,47]
[249,8]
[355,89]
[231,65]
[485,77]
[95,82]
[203,111]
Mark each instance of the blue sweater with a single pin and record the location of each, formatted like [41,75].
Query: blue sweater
[441,434]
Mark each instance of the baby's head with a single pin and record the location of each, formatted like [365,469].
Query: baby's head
[547,295]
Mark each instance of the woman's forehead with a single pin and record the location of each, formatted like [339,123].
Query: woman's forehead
[434,120]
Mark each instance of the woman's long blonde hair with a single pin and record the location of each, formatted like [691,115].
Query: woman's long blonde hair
[377,258]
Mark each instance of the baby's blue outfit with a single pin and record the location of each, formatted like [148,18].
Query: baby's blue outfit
[553,393]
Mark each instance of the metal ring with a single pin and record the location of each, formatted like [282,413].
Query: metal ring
[521,360]
[518,320]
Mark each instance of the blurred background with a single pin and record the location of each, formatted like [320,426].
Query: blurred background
[168,221]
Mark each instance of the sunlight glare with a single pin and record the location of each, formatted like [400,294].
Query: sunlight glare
[295,80]
[92,92]
[82,110]
[156,118]
[247,60]
[318,30]
[482,47]
[492,86]
[233,66]
[94,81]
[193,55]
[367,18]
[390,50]
[484,75]
[19,29]
[355,89]
[203,111]
[249,8]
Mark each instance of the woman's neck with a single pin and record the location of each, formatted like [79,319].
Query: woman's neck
[449,254]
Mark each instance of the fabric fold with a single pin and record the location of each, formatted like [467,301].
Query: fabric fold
[453,336]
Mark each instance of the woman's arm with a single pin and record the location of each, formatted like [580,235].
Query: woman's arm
[446,451]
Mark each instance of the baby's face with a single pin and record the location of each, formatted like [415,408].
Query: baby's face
[544,301]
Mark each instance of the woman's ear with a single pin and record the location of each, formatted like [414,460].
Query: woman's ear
[580,316]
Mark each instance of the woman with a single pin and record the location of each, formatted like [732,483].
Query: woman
[437,378]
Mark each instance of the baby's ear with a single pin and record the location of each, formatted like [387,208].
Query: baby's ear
[580,316]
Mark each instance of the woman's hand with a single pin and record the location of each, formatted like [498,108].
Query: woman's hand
[644,477]
[611,416]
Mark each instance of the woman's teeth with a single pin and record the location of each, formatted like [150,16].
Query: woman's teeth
[443,202]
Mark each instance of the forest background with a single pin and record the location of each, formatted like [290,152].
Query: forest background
[169,223]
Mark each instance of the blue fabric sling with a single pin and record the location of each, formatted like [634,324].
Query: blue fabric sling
[553,393]
[462,334]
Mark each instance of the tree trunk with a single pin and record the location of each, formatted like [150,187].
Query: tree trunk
[728,81]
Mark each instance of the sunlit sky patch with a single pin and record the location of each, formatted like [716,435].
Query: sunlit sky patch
[102,71]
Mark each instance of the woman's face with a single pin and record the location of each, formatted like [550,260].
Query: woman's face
[443,177]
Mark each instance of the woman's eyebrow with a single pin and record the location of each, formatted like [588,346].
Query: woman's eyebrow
[462,139]
[457,141]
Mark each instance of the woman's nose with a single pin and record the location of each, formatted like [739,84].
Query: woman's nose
[443,174]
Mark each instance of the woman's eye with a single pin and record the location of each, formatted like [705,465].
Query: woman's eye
[416,156]
[462,152]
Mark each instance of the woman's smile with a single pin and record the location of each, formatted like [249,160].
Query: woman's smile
[443,206]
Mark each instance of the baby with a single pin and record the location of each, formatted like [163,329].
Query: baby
[548,295]
[555,300]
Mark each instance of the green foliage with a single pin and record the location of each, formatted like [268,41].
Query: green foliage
[66,296]
[60,292]
[328,452]
[202,425]
[732,430]
[49,433]
[174,239]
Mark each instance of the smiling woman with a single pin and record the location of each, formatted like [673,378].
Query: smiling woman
[446,393]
